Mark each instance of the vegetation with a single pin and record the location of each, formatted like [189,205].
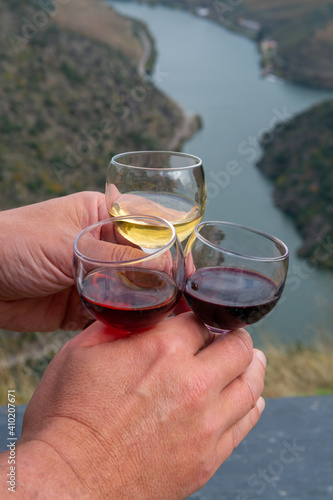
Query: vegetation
[68,103]
[299,371]
[303,30]
[23,360]
[299,161]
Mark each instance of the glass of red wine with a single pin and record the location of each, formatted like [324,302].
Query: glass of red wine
[122,284]
[235,274]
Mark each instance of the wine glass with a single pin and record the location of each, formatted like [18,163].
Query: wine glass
[122,285]
[164,184]
[235,274]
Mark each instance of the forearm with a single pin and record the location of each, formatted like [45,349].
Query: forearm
[35,471]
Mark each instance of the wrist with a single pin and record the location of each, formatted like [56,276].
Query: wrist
[39,472]
[78,456]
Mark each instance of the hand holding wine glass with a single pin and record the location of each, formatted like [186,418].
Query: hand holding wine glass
[122,285]
[235,274]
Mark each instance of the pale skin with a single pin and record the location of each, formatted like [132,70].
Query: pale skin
[36,255]
[36,251]
[150,416]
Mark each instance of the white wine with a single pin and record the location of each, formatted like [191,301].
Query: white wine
[182,212]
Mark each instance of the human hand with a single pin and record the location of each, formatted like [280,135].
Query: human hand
[148,416]
[37,290]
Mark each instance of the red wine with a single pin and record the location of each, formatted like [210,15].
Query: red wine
[229,298]
[132,299]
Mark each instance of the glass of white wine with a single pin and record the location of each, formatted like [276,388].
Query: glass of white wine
[165,184]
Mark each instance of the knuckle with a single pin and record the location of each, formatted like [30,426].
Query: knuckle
[168,346]
[253,390]
[249,389]
[206,468]
[245,342]
[200,469]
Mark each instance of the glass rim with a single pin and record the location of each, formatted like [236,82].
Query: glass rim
[249,229]
[196,159]
[150,256]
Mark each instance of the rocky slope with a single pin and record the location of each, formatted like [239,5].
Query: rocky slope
[299,160]
[69,101]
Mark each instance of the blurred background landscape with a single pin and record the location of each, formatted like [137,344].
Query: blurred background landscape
[246,85]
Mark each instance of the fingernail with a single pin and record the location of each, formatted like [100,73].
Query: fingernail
[260,355]
[261,405]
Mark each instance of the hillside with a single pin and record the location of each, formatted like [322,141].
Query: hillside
[69,101]
[299,161]
[301,31]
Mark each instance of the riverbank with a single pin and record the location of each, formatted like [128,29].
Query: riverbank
[295,41]
[97,20]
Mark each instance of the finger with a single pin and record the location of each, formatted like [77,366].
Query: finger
[111,233]
[183,331]
[187,331]
[228,356]
[242,394]
[102,208]
[76,315]
[111,195]
[107,251]
[231,438]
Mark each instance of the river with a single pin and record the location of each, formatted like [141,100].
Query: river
[215,73]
